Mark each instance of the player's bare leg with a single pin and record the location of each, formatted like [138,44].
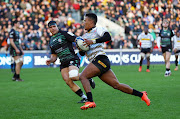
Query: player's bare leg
[74,87]
[148,62]
[176,62]
[167,56]
[19,63]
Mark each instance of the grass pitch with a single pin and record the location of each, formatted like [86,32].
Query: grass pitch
[44,95]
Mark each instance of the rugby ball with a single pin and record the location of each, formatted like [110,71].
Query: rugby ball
[81,44]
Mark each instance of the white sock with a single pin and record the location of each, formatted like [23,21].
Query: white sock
[84,96]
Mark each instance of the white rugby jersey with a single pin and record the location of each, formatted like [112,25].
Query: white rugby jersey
[97,48]
[176,42]
[146,40]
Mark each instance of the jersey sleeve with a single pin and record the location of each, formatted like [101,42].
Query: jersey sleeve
[175,41]
[69,36]
[11,33]
[101,31]
[151,38]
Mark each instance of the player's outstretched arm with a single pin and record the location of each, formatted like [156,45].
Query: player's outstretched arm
[52,59]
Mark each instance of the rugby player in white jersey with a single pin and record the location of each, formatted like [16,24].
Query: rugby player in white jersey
[99,63]
[146,47]
[176,49]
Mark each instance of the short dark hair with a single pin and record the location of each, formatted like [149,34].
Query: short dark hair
[15,22]
[51,23]
[92,16]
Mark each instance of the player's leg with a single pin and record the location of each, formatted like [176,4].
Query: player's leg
[85,75]
[168,56]
[68,76]
[148,62]
[176,62]
[72,74]
[142,54]
[19,62]
[110,79]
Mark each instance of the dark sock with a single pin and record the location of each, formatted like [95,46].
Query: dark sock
[17,76]
[176,62]
[12,69]
[79,92]
[14,75]
[137,93]
[14,66]
[89,96]
[147,67]
[167,69]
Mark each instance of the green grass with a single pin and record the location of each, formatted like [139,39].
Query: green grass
[44,95]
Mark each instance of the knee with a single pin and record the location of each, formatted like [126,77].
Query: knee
[74,74]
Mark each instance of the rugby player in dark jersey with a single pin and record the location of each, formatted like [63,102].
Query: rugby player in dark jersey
[16,50]
[164,42]
[61,47]
[99,62]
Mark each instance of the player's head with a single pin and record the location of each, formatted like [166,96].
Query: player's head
[16,24]
[53,27]
[165,23]
[90,21]
[146,30]
[178,33]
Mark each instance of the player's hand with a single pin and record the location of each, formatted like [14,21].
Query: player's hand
[88,42]
[17,51]
[48,62]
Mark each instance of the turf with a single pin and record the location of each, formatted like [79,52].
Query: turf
[44,95]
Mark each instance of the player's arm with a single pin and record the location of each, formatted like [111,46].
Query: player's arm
[104,38]
[69,36]
[13,45]
[159,43]
[52,59]
[152,40]
[174,44]
[21,46]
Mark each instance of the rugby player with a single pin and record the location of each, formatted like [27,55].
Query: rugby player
[16,50]
[61,47]
[176,49]
[99,62]
[164,42]
[146,47]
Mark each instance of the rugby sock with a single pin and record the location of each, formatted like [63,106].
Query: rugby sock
[12,68]
[14,75]
[147,67]
[81,94]
[176,62]
[89,96]
[137,93]
[17,76]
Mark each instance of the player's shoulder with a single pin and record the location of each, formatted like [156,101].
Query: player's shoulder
[100,28]
[12,30]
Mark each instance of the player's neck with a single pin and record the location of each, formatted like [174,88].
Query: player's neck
[165,28]
[91,28]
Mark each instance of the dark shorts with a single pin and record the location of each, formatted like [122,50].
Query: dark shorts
[73,62]
[146,50]
[167,49]
[102,63]
[13,53]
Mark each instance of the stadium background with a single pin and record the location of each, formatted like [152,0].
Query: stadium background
[44,94]
[125,20]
